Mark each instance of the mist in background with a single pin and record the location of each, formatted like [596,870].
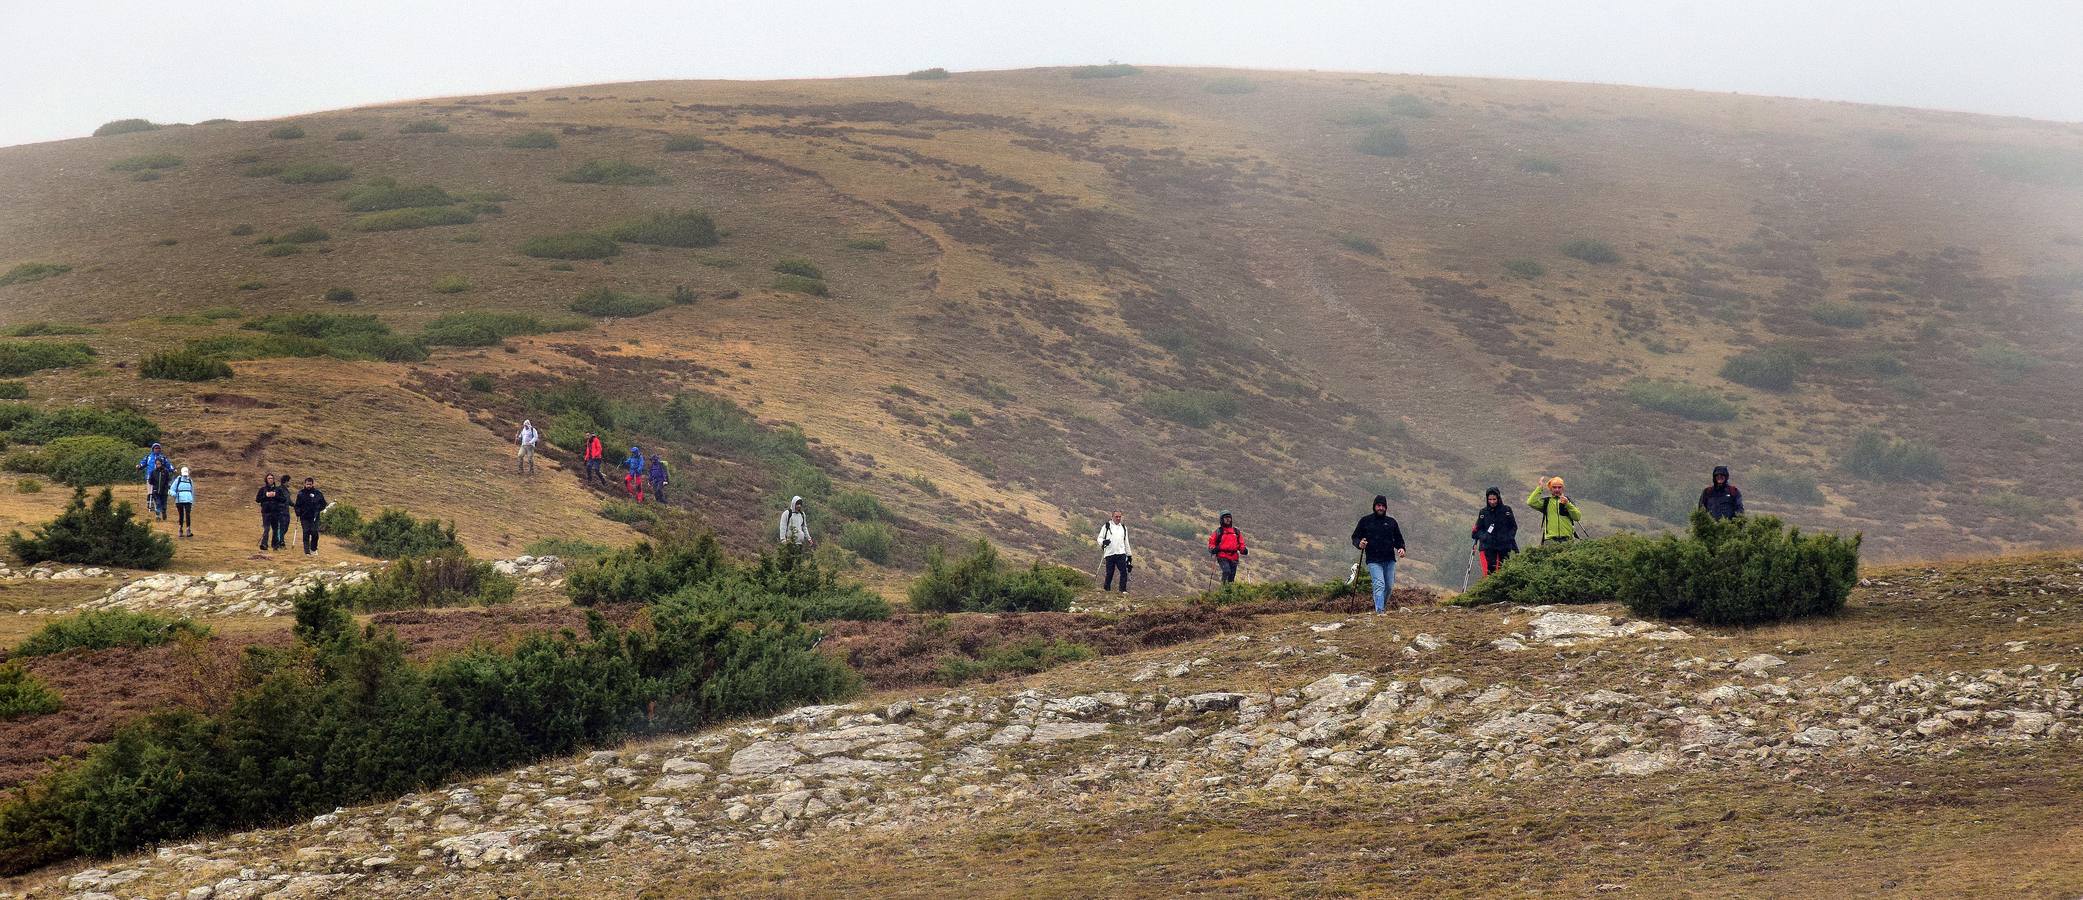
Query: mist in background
[72,65]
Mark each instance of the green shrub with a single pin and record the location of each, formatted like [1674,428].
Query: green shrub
[351,134]
[867,244]
[104,533]
[1838,315]
[486,329]
[684,143]
[1193,407]
[1742,571]
[482,383]
[1788,485]
[282,250]
[1179,526]
[645,572]
[1876,456]
[46,329]
[1680,399]
[933,74]
[1877,363]
[1769,369]
[2023,507]
[124,126]
[872,540]
[1524,268]
[82,461]
[321,334]
[25,696]
[980,582]
[451,284]
[12,415]
[602,171]
[962,417]
[183,365]
[1110,70]
[74,421]
[532,140]
[1383,140]
[1540,165]
[380,194]
[1627,481]
[27,272]
[449,578]
[797,284]
[802,267]
[570,245]
[570,550]
[13,390]
[1571,572]
[413,217]
[104,628]
[1594,252]
[1230,84]
[314,173]
[2009,363]
[394,534]
[341,520]
[28,486]
[423,126]
[286,132]
[857,505]
[1024,657]
[624,511]
[686,228]
[605,303]
[1358,244]
[308,234]
[145,162]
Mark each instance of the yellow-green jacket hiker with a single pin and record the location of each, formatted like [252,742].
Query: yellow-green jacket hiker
[1559,517]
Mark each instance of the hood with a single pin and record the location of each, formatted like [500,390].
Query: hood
[792,501]
[184,471]
[1721,471]
[1493,492]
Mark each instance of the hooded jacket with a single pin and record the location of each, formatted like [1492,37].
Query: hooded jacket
[182,490]
[593,451]
[150,463]
[795,526]
[635,462]
[528,434]
[1558,518]
[658,472]
[1227,543]
[1383,536]
[309,503]
[1722,501]
[160,476]
[1496,528]
[1112,540]
[273,500]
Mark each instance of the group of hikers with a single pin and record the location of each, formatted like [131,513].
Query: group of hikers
[638,471]
[167,488]
[1379,538]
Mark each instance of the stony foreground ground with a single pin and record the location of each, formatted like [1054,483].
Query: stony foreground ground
[1525,720]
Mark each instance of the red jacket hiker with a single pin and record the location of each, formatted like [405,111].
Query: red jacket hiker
[593,447]
[1227,543]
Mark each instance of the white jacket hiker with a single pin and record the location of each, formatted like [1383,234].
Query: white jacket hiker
[1113,540]
[795,528]
[527,441]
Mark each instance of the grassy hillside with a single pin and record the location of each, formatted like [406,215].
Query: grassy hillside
[1044,296]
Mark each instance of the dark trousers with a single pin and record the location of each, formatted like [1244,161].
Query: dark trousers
[1494,558]
[1229,569]
[658,491]
[1117,563]
[185,508]
[278,532]
[310,529]
[159,504]
[593,471]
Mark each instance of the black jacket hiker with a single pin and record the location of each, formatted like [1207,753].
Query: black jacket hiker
[1496,529]
[309,503]
[1384,537]
[1722,500]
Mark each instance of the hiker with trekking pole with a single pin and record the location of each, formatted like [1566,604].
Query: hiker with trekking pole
[593,454]
[1227,546]
[1559,517]
[633,470]
[1380,539]
[1496,535]
[1115,555]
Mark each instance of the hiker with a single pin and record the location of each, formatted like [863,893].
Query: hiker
[527,438]
[309,503]
[274,504]
[1227,546]
[162,477]
[1559,517]
[795,524]
[1496,531]
[593,456]
[1114,553]
[182,490]
[1721,500]
[659,476]
[1381,539]
[633,474]
[149,466]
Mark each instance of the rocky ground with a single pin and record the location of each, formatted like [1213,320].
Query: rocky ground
[1300,711]
[263,593]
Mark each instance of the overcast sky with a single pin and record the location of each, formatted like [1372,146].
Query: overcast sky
[70,65]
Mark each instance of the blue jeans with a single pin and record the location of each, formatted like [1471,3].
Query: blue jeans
[1384,576]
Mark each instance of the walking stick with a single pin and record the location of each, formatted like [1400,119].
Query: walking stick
[1470,568]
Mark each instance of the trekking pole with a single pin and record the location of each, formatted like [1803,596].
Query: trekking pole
[1470,568]
[1354,575]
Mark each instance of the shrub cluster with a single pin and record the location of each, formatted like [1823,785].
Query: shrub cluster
[413,217]
[979,581]
[571,245]
[1024,657]
[46,329]
[80,461]
[379,194]
[1875,455]
[1194,407]
[145,162]
[343,336]
[104,628]
[19,358]
[423,126]
[602,303]
[798,284]
[868,243]
[1769,369]
[341,520]
[646,572]
[604,171]
[1742,571]
[104,533]
[933,74]
[532,140]
[1524,268]
[13,390]
[1594,252]
[25,696]
[1565,572]
[24,273]
[124,126]
[351,134]
[395,534]
[24,425]
[874,541]
[1628,481]
[286,132]
[1359,244]
[685,228]
[481,328]
[446,578]
[1788,485]
[786,582]
[1383,140]
[1686,401]
[685,143]
[1839,315]
[342,718]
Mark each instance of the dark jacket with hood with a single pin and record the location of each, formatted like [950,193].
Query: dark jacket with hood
[273,500]
[1383,536]
[1495,527]
[309,503]
[1722,501]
